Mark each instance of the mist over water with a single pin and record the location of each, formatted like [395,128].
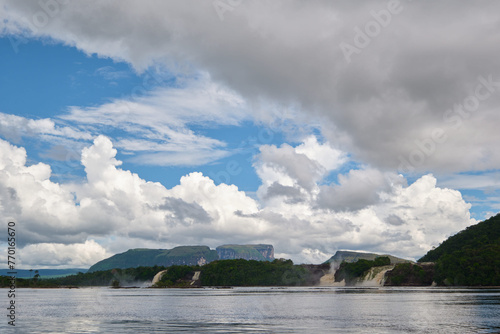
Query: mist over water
[257,310]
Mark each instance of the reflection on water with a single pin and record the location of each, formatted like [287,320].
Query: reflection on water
[257,310]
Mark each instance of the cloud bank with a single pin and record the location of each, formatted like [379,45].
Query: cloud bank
[415,84]
[294,210]
[394,86]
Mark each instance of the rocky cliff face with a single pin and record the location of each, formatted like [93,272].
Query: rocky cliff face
[267,251]
[248,252]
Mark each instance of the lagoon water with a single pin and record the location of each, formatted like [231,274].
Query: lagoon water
[255,310]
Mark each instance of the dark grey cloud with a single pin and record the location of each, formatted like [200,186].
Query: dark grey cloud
[184,213]
[381,105]
[394,220]
[293,195]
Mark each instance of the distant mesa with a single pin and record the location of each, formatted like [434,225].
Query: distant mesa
[143,257]
[248,252]
[351,256]
[183,255]
[372,277]
[469,258]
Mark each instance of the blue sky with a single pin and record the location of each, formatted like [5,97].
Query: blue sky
[44,79]
[172,126]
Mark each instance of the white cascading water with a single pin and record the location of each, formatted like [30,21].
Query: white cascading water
[374,277]
[157,277]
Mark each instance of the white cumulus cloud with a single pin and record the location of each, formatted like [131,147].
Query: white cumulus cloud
[114,204]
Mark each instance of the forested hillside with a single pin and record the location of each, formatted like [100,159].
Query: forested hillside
[471,257]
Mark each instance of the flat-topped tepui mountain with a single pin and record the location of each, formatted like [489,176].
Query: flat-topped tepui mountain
[143,257]
[352,256]
[183,255]
[248,252]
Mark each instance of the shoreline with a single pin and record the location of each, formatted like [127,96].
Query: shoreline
[260,286]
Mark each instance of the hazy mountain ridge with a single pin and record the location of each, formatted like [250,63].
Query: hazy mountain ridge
[44,273]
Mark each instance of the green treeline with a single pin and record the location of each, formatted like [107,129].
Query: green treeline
[6,282]
[352,270]
[469,258]
[410,274]
[470,267]
[177,276]
[129,276]
[253,273]
[237,272]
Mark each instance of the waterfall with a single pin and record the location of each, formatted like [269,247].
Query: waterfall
[374,277]
[329,280]
[196,277]
[158,276]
